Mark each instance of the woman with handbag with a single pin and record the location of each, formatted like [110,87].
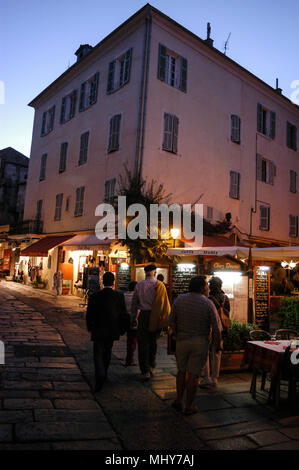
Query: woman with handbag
[212,368]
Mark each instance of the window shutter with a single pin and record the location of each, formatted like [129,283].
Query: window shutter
[44,123]
[259,117]
[234,191]
[58,206]
[79,201]
[293,181]
[62,111]
[264,217]
[271,173]
[235,128]
[82,97]
[294,138]
[175,132]
[167,140]
[259,167]
[83,148]
[39,206]
[272,124]
[114,132]
[128,60]
[94,89]
[52,117]
[73,104]
[110,82]
[63,152]
[162,63]
[293,232]
[183,77]
[42,175]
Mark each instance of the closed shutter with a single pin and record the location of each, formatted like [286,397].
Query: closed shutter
[259,167]
[162,63]
[114,133]
[175,134]
[264,217]
[109,190]
[168,126]
[42,175]
[294,138]
[110,81]
[293,181]
[271,172]
[235,128]
[272,124]
[44,123]
[293,226]
[63,153]
[259,117]
[183,77]
[62,111]
[128,60]
[79,201]
[82,97]
[94,89]
[234,190]
[73,104]
[39,207]
[58,206]
[52,117]
[83,147]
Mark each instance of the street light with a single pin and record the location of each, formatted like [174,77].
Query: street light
[174,233]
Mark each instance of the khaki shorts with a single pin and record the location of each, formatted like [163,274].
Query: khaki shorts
[191,354]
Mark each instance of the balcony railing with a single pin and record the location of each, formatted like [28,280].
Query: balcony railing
[26,227]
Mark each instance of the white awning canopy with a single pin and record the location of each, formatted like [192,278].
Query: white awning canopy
[88,242]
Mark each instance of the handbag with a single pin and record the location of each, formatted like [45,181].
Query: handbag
[225,320]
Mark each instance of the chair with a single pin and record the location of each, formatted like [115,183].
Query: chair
[258,335]
[286,334]
[289,373]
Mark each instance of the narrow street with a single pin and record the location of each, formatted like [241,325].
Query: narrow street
[46,399]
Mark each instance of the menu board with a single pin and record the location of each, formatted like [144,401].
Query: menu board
[181,278]
[123,278]
[262,298]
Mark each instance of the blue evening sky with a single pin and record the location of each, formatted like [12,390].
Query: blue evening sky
[38,39]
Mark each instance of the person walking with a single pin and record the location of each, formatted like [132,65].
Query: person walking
[151,299]
[132,331]
[192,318]
[212,368]
[107,320]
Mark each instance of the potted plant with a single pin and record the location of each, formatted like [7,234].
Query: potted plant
[234,342]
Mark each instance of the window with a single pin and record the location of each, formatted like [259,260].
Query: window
[171,127]
[293,181]
[43,164]
[265,170]
[109,190]
[39,207]
[293,219]
[266,121]
[114,133]
[291,136]
[119,71]
[63,153]
[172,68]
[79,201]
[89,92]
[67,204]
[235,128]
[48,121]
[264,217]
[209,213]
[68,107]
[83,148]
[58,206]
[234,187]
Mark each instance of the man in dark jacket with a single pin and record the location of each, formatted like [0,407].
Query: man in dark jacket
[107,320]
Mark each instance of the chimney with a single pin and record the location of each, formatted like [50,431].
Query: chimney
[83,50]
[209,41]
[278,90]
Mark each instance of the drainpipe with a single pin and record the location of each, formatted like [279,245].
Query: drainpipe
[143,94]
[250,305]
[253,210]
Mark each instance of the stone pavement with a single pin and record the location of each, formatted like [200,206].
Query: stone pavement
[46,399]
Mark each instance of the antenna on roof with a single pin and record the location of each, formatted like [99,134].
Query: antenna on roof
[226,44]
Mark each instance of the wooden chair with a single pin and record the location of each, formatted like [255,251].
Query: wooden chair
[286,334]
[258,335]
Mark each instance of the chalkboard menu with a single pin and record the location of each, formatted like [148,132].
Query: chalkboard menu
[123,278]
[262,298]
[181,277]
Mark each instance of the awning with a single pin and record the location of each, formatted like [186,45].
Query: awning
[277,253]
[43,245]
[88,242]
[240,251]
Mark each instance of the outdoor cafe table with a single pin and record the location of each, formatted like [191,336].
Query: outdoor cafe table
[265,356]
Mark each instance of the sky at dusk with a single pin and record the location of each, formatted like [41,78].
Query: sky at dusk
[38,40]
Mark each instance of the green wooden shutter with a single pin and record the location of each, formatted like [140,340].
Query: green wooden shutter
[44,123]
[235,128]
[234,191]
[82,97]
[272,124]
[94,89]
[259,167]
[259,117]
[83,148]
[73,104]
[271,172]
[63,153]
[293,226]
[62,110]
[264,217]
[43,166]
[175,132]
[110,81]
[52,117]
[167,138]
[294,138]
[162,63]
[293,181]
[128,60]
[183,76]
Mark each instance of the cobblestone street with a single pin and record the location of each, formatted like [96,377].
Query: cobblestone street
[46,398]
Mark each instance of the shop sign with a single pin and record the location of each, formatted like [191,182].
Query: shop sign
[224,264]
[6,259]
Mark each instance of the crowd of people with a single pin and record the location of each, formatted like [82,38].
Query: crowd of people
[196,319]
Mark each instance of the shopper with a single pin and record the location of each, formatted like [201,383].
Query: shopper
[132,331]
[106,319]
[192,318]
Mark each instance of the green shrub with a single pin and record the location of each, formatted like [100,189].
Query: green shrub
[288,313]
[237,335]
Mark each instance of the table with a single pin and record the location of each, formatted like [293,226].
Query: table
[267,358]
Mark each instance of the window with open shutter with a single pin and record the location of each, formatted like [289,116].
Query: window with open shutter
[128,59]
[272,124]
[110,81]
[264,217]
[172,68]
[234,189]
[183,78]
[259,117]
[162,62]
[94,85]
[271,172]
[235,128]
[82,97]
[83,148]
[293,224]
[58,206]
